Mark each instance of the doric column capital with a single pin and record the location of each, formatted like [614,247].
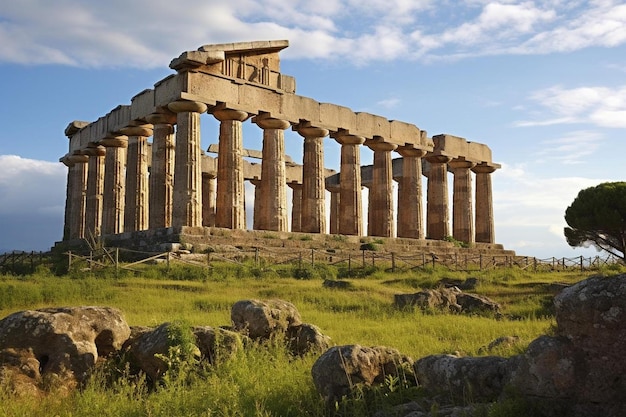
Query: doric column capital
[187,106]
[229,114]
[307,131]
[345,138]
[138,129]
[165,118]
[294,185]
[74,127]
[94,150]
[77,158]
[461,163]
[438,158]
[65,160]
[265,121]
[485,168]
[410,151]
[117,141]
[377,144]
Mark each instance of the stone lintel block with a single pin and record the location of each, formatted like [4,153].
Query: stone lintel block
[298,108]
[118,118]
[406,134]
[255,47]
[210,88]
[450,145]
[262,100]
[293,174]
[370,125]
[142,105]
[194,59]
[335,118]
[287,83]
[74,127]
[169,89]
[479,152]
[209,165]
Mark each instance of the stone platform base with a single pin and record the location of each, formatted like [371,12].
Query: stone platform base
[212,239]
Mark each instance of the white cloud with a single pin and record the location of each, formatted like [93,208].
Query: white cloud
[601,106]
[146,33]
[573,148]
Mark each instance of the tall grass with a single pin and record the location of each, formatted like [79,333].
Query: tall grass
[267,380]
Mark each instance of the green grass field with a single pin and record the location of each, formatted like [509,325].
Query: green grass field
[267,381]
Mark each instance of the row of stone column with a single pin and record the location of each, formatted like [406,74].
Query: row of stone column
[110,185]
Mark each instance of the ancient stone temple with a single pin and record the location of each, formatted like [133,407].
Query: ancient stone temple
[140,173]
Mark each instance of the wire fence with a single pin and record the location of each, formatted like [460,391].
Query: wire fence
[21,263]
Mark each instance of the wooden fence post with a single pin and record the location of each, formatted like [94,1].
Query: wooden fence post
[69,260]
[349,265]
[117,262]
[256,256]
[393,262]
[312,257]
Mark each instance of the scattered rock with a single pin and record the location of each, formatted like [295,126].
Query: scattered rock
[341,368]
[477,379]
[500,342]
[333,283]
[463,285]
[263,319]
[216,344]
[63,344]
[443,298]
[306,338]
[471,303]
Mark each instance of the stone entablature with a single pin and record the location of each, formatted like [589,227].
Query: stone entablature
[172,182]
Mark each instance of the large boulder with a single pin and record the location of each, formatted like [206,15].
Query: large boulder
[580,370]
[217,344]
[471,303]
[264,319]
[306,338]
[442,299]
[59,343]
[477,379]
[341,368]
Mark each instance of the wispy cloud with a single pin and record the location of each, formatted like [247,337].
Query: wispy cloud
[600,106]
[574,148]
[145,33]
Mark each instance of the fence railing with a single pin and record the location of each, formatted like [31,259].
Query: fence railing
[349,260]
[22,263]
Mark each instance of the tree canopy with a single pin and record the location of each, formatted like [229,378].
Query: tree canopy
[597,217]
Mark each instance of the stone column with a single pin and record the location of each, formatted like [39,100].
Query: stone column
[95,191]
[114,195]
[410,215]
[350,200]
[462,212]
[273,176]
[209,187]
[258,203]
[136,209]
[296,207]
[437,215]
[78,195]
[68,197]
[313,191]
[230,205]
[334,209]
[162,170]
[484,203]
[380,213]
[187,210]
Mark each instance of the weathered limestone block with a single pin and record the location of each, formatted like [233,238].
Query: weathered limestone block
[341,368]
[464,378]
[66,342]
[305,338]
[579,371]
[443,298]
[264,319]
[217,343]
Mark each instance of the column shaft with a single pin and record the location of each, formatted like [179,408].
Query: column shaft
[381,211]
[230,205]
[187,210]
[437,215]
[462,212]
[79,171]
[95,192]
[313,190]
[350,200]
[209,187]
[296,207]
[136,210]
[273,175]
[162,174]
[485,232]
[334,211]
[410,215]
[114,195]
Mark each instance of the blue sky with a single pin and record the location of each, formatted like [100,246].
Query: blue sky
[542,83]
